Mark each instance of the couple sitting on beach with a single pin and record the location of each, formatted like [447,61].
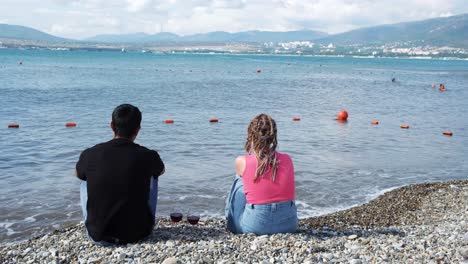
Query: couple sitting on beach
[119,187]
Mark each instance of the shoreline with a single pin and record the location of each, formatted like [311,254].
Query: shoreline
[416,223]
[224,53]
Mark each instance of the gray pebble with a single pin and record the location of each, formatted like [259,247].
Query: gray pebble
[355,261]
[171,260]
[434,230]
[122,256]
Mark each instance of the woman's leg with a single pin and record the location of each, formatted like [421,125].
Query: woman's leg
[235,205]
[285,218]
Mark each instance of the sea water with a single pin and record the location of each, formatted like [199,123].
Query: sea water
[337,165]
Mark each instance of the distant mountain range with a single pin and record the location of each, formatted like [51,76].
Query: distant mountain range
[217,36]
[139,37]
[27,33]
[450,31]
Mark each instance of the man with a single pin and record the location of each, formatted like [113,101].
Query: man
[119,187]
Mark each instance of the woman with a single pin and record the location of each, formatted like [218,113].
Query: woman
[262,196]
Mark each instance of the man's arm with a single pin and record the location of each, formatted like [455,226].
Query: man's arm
[158,165]
[163,171]
[81,167]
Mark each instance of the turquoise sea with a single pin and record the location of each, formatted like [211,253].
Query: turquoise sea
[337,165]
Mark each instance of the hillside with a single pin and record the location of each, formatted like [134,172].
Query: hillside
[217,36]
[451,31]
[258,36]
[447,31]
[134,38]
[27,33]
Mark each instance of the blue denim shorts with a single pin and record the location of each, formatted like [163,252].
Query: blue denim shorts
[269,218]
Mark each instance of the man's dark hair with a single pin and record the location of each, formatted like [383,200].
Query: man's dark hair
[126,119]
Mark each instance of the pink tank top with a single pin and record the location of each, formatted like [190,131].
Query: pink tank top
[264,190]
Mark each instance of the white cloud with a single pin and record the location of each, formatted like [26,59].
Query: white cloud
[83,18]
[137,5]
[446,14]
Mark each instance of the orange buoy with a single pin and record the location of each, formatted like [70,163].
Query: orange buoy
[296,119]
[13,126]
[70,124]
[213,120]
[374,122]
[447,133]
[169,121]
[404,126]
[342,115]
[259,71]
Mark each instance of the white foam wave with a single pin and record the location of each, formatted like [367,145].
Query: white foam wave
[307,210]
[376,194]
[206,196]
[7,226]
[30,219]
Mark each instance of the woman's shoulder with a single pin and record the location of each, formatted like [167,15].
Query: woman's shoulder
[240,158]
[240,164]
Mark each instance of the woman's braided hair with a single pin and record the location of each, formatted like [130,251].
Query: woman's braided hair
[262,141]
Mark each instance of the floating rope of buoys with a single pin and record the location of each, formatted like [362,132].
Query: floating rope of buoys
[70,124]
[342,115]
[169,121]
[214,120]
[13,126]
[447,133]
[296,119]
[259,71]
[404,126]
[374,122]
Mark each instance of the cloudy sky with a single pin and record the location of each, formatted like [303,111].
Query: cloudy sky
[84,18]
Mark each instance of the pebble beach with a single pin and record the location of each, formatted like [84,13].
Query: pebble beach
[420,223]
